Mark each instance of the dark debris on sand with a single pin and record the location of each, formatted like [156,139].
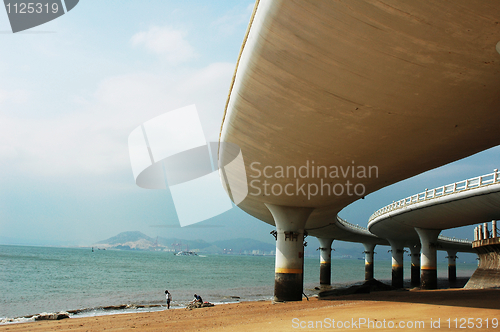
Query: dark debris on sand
[196,305]
[365,288]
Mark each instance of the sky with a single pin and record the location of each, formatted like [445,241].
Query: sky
[73,89]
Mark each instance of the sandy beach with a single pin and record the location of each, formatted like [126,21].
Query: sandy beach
[475,310]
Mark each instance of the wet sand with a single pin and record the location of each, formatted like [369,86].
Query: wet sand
[449,308]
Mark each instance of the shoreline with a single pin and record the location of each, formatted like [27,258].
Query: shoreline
[50,280]
[134,308]
[424,306]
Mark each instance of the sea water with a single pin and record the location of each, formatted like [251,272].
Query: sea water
[47,279]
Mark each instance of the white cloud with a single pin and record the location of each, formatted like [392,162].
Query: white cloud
[91,137]
[167,42]
[210,88]
[14,96]
[7,152]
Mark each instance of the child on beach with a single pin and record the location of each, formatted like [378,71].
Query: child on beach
[169,298]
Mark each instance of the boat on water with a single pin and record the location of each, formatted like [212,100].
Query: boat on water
[186,253]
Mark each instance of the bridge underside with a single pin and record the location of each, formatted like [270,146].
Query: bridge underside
[405,86]
[396,87]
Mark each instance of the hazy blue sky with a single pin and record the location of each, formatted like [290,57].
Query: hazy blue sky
[72,90]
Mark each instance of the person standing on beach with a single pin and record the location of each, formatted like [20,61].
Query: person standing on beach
[169,298]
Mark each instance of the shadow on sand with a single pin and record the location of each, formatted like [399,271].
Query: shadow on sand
[453,295]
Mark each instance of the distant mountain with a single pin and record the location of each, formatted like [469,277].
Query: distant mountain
[139,241]
[245,246]
[126,237]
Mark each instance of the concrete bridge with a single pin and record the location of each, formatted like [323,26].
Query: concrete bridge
[368,93]
[354,233]
[416,221]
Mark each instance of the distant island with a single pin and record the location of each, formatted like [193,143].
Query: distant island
[140,241]
[241,246]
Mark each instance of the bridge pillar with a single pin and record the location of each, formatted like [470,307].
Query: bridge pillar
[415,264]
[325,259]
[369,251]
[397,249]
[428,258]
[452,267]
[290,223]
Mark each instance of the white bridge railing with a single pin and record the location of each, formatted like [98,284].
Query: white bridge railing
[480,181]
[347,224]
[452,239]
